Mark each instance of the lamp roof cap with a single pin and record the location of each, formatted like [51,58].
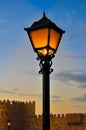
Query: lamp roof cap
[44,22]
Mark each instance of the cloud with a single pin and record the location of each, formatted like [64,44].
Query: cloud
[15,91]
[55,98]
[83,57]
[78,106]
[10,91]
[82,86]
[28,72]
[78,77]
[71,75]
[80,99]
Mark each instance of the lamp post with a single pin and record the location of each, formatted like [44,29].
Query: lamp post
[45,37]
[9,124]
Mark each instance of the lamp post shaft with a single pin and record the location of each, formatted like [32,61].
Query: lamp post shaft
[46,31]
[46,97]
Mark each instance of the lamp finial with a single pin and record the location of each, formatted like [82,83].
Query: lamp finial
[44,14]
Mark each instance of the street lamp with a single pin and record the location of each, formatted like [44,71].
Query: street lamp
[9,124]
[45,37]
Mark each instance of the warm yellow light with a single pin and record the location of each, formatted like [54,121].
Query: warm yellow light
[45,36]
[39,37]
[9,123]
[45,40]
[43,52]
[54,39]
[46,52]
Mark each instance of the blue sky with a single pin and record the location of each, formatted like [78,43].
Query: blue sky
[19,78]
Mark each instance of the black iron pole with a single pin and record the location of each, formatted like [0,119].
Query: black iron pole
[46,96]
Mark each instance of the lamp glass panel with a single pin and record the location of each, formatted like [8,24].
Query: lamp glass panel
[50,52]
[39,37]
[54,38]
[46,51]
[43,51]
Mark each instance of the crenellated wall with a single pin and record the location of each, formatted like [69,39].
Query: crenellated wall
[19,113]
[70,121]
[22,116]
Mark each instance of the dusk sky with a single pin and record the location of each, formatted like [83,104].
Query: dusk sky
[19,78]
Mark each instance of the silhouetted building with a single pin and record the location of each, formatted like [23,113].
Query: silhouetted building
[22,115]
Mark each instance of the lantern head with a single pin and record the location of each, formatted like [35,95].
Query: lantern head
[45,36]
